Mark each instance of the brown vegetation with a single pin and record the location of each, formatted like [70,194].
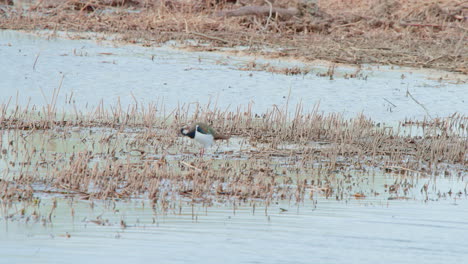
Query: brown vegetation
[138,152]
[414,33]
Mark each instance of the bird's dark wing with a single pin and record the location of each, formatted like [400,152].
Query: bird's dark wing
[205,129]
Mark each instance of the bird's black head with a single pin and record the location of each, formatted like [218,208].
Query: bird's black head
[187,132]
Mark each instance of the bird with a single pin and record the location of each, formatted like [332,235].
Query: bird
[203,134]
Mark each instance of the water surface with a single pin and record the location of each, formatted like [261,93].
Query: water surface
[367,231]
[418,229]
[33,67]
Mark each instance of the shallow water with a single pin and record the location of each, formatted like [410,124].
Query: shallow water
[417,229]
[33,66]
[360,231]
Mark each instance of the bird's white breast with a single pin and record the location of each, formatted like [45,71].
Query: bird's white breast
[205,139]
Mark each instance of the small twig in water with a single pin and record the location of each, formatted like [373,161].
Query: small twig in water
[402,168]
[190,166]
[414,99]
[35,61]
[209,37]
[390,102]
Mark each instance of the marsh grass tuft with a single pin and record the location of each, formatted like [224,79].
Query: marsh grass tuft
[115,153]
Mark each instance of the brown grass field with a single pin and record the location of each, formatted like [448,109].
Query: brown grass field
[419,33]
[115,153]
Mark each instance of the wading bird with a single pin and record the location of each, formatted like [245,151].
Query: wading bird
[203,134]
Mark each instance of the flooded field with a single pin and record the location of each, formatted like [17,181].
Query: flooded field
[325,163]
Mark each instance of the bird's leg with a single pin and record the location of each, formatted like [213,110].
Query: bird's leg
[202,152]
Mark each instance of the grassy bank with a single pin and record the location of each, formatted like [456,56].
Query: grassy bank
[419,33]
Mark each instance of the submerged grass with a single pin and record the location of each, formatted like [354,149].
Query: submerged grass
[115,153]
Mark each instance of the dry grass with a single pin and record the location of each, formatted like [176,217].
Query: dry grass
[137,152]
[414,33]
